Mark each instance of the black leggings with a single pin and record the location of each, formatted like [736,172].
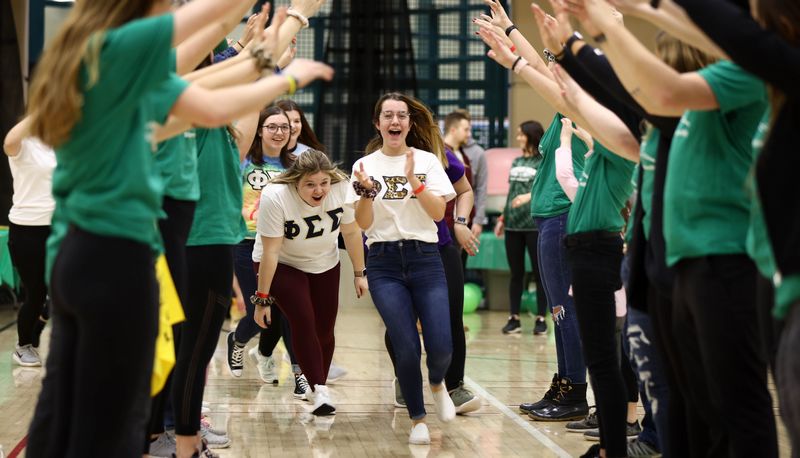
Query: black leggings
[95,396]
[516,244]
[210,278]
[174,232]
[451,260]
[595,259]
[27,245]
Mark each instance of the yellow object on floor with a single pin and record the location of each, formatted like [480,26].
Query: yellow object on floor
[170,312]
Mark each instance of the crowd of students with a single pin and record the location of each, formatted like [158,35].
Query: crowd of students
[149,142]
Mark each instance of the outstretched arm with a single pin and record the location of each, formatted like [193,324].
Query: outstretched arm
[655,85]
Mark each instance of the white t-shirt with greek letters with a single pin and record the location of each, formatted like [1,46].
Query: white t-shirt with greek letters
[398,215]
[310,234]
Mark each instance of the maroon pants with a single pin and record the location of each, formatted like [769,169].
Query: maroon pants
[310,302]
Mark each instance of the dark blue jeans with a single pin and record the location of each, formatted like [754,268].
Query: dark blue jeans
[556,279]
[407,282]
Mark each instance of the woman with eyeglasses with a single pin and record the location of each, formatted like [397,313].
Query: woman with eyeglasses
[399,190]
[267,156]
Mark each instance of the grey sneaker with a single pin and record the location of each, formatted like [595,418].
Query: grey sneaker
[399,401]
[335,373]
[589,423]
[214,441]
[639,449]
[266,366]
[632,430]
[26,356]
[464,400]
[163,446]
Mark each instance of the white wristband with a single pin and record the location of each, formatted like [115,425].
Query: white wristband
[520,65]
[295,14]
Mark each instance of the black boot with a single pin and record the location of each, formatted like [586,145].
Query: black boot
[546,401]
[569,404]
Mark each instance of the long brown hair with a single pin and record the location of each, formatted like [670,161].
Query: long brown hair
[56,95]
[423,131]
[256,152]
[310,162]
[307,135]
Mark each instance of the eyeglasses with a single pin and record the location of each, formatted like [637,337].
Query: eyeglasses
[389,115]
[273,128]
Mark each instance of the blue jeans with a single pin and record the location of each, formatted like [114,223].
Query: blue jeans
[556,279]
[407,282]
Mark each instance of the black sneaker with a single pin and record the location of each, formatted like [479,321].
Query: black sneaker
[639,449]
[540,327]
[235,356]
[546,400]
[632,431]
[301,387]
[589,423]
[593,452]
[512,327]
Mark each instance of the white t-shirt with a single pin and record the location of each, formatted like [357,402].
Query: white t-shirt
[32,172]
[398,215]
[310,234]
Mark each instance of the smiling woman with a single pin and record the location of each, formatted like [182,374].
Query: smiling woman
[302,213]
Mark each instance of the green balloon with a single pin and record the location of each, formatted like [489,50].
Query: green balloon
[528,303]
[472,297]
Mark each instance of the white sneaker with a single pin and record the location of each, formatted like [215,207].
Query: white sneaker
[163,446]
[214,440]
[322,401]
[445,409]
[419,435]
[335,373]
[26,356]
[266,366]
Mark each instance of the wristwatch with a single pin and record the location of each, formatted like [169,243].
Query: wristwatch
[461,220]
[363,273]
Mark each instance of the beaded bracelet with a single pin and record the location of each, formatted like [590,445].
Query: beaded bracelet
[364,192]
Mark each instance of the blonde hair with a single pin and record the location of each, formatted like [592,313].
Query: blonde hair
[679,55]
[423,131]
[56,94]
[310,162]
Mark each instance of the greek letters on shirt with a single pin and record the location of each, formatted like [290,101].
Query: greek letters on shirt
[396,188]
[258,178]
[314,225]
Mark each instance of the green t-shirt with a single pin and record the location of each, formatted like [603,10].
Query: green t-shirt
[603,188]
[706,202]
[254,179]
[104,181]
[647,164]
[547,196]
[176,158]
[218,215]
[520,180]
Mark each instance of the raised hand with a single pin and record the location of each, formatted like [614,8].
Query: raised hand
[570,90]
[499,52]
[499,17]
[363,177]
[629,6]
[566,131]
[249,30]
[288,54]
[409,167]
[485,21]
[595,15]
[548,29]
[259,24]
[307,8]
[306,71]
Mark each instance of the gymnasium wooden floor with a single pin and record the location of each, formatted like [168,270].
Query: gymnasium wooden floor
[265,421]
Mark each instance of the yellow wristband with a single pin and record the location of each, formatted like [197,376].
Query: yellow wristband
[292,83]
